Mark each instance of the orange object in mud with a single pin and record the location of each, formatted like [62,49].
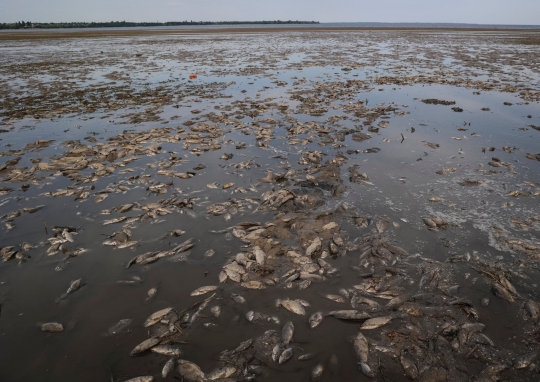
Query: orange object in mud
[192,76]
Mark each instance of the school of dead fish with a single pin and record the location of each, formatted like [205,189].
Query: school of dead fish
[408,308]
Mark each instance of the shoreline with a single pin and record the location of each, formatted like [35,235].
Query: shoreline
[45,34]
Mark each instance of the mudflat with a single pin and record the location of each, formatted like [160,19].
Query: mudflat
[307,204]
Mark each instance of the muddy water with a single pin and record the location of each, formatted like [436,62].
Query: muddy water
[95,117]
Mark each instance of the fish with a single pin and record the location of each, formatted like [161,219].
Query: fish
[156,317]
[260,256]
[203,290]
[334,297]
[304,284]
[52,327]
[533,309]
[238,299]
[397,301]
[408,366]
[293,306]
[144,346]
[215,311]
[307,356]
[364,367]
[315,246]
[228,185]
[220,373]
[144,378]
[169,366]
[114,221]
[361,348]
[317,372]
[119,326]
[349,314]
[524,360]
[286,355]
[382,225]
[374,323]
[151,293]
[315,319]
[75,285]
[276,352]
[254,284]
[190,371]
[287,332]
[170,350]
[502,292]
[209,253]
[244,345]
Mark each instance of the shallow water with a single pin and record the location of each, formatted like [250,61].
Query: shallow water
[100,88]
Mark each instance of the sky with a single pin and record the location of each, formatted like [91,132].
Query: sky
[445,11]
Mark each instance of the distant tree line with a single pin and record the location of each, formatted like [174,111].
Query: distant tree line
[119,24]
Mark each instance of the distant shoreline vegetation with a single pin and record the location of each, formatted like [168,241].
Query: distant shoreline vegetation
[120,24]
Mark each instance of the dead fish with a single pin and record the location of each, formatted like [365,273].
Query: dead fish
[144,346]
[374,323]
[409,367]
[524,360]
[52,327]
[215,311]
[314,247]
[260,256]
[156,317]
[244,345]
[212,185]
[144,378]
[100,198]
[228,185]
[285,355]
[293,306]
[334,297]
[359,300]
[170,350]
[307,357]
[127,244]
[501,292]
[349,314]
[364,367]
[119,326]
[169,366]
[397,301]
[151,293]
[317,372]
[533,309]
[190,371]
[75,285]
[382,225]
[238,299]
[361,347]
[254,284]
[333,364]
[315,319]
[304,284]
[276,352]
[220,373]
[287,332]
[114,221]
[203,290]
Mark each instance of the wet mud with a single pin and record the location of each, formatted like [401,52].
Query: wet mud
[337,205]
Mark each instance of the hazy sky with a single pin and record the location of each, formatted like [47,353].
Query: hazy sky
[457,11]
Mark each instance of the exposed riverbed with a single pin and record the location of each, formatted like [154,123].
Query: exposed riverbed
[369,198]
